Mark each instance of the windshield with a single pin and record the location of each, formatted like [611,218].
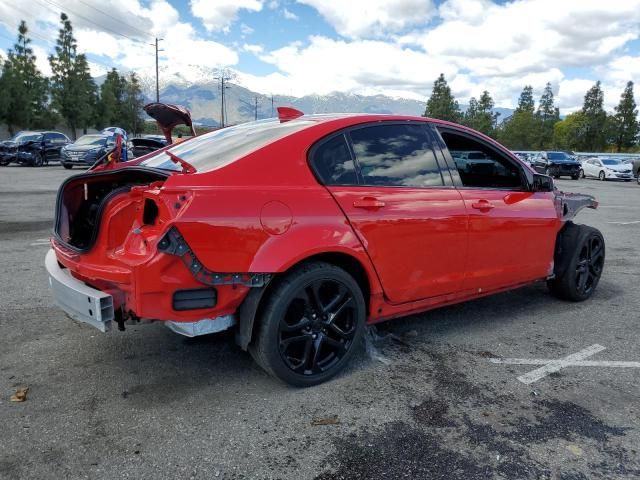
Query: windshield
[216,149]
[97,140]
[28,137]
[611,162]
[558,156]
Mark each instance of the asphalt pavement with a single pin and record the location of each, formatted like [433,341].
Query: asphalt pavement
[435,396]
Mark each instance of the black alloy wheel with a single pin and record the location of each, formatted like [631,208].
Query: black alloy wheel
[579,262]
[589,265]
[313,320]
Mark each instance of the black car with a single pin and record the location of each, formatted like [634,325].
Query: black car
[32,148]
[557,164]
[86,150]
[39,148]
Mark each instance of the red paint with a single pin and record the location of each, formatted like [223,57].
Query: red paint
[420,248]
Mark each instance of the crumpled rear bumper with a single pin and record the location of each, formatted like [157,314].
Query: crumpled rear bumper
[81,302]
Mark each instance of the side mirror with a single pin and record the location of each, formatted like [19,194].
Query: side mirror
[542,183]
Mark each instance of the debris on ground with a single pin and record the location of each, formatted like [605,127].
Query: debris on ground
[20,395]
[334,420]
[372,337]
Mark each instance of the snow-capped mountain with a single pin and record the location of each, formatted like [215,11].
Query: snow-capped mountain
[202,97]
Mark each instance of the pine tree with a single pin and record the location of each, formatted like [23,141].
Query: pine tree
[24,89]
[480,116]
[441,103]
[595,119]
[547,115]
[133,101]
[525,102]
[519,132]
[625,128]
[73,90]
[109,105]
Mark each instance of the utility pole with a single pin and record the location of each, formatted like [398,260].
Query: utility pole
[157,75]
[272,106]
[256,115]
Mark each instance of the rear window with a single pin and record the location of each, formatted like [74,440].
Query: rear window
[216,149]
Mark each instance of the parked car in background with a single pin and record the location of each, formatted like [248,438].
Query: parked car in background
[149,143]
[34,148]
[298,231]
[606,169]
[526,157]
[41,148]
[557,164]
[87,149]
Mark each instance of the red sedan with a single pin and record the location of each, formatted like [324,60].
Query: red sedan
[297,231]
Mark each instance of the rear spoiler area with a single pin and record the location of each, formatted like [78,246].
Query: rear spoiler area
[169,116]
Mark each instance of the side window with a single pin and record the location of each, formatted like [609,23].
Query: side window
[396,155]
[59,138]
[333,164]
[48,137]
[479,165]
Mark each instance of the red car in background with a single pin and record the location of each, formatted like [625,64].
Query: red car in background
[299,230]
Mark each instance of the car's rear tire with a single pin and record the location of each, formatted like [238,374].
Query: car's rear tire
[310,326]
[68,166]
[602,176]
[581,173]
[38,161]
[579,262]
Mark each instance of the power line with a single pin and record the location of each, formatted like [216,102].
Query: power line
[90,21]
[116,19]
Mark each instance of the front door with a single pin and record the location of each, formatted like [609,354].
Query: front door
[512,231]
[413,227]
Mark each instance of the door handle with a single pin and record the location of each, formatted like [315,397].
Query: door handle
[368,203]
[482,205]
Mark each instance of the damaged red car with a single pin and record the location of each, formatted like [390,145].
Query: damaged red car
[298,231]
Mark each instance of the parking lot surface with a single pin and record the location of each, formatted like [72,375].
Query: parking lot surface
[436,395]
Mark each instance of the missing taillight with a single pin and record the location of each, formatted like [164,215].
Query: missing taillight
[150,212]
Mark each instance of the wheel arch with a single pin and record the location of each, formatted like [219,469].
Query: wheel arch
[250,308]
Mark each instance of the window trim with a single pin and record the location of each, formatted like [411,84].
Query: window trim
[345,132]
[524,180]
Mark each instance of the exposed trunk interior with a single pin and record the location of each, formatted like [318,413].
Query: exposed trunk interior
[82,198]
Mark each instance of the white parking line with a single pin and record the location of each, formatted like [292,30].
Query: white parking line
[573,360]
[625,223]
[40,242]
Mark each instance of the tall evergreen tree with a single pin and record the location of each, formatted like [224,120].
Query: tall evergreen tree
[24,89]
[73,90]
[519,132]
[109,106]
[441,103]
[547,115]
[133,101]
[625,127]
[525,102]
[480,116]
[595,119]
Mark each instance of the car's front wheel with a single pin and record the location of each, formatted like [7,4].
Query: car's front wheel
[311,324]
[38,160]
[581,173]
[602,176]
[68,166]
[579,261]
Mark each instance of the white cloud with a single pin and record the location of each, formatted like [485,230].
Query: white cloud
[255,49]
[327,65]
[289,15]
[372,17]
[219,15]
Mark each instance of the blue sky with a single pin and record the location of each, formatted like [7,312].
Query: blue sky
[393,47]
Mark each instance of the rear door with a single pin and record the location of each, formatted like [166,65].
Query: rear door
[387,180]
[512,231]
